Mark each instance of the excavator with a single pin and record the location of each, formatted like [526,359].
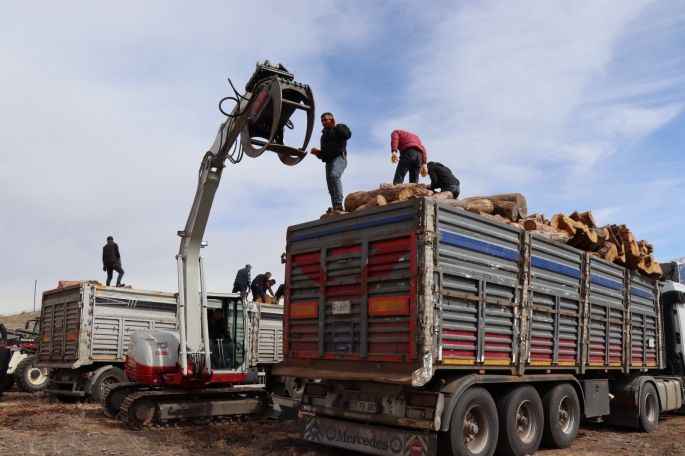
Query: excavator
[183,374]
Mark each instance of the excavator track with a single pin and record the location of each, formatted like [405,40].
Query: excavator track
[110,406]
[143,408]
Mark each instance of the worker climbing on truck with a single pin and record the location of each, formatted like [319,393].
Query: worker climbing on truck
[111,261]
[441,177]
[242,280]
[260,284]
[333,153]
[412,156]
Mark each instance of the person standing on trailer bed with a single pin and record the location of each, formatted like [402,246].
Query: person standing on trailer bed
[111,261]
[260,284]
[333,153]
[412,156]
[242,280]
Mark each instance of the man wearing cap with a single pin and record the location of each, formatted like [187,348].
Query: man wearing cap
[111,261]
[261,283]
[242,280]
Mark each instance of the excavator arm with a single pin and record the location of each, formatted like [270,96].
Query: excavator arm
[259,117]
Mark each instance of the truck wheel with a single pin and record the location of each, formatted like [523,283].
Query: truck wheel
[474,426]
[30,378]
[562,416]
[105,379]
[649,408]
[295,387]
[520,422]
[9,383]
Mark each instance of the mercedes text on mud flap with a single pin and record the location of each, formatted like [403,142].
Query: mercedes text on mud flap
[488,337]
[367,439]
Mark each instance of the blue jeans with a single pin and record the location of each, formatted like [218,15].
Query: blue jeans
[334,171]
[410,161]
[452,188]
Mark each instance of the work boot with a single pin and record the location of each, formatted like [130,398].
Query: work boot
[121,285]
[339,207]
[329,210]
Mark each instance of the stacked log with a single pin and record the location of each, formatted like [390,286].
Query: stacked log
[391,193]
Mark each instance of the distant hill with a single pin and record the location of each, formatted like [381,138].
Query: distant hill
[17,321]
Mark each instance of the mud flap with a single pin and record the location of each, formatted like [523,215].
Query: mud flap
[367,439]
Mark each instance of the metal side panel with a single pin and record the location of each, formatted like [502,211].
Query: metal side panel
[338,270]
[555,296]
[645,330]
[478,260]
[607,315]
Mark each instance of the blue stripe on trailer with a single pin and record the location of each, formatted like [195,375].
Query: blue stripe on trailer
[599,280]
[640,293]
[479,246]
[555,267]
[354,226]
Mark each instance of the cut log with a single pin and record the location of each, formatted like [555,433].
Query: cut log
[652,268]
[333,214]
[620,248]
[542,218]
[392,194]
[519,210]
[608,251]
[594,254]
[554,236]
[585,238]
[442,195]
[475,205]
[69,283]
[564,225]
[383,186]
[501,219]
[585,218]
[535,225]
[379,200]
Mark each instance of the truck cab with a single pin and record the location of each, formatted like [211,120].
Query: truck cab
[673,311]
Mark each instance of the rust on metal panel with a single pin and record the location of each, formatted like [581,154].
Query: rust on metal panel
[627,340]
[585,310]
[525,302]
[659,330]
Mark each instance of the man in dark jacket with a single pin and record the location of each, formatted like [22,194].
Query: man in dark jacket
[260,284]
[412,157]
[442,178]
[242,280]
[280,292]
[111,261]
[333,152]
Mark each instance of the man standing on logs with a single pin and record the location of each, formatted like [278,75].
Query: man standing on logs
[333,152]
[412,156]
[111,261]
[442,178]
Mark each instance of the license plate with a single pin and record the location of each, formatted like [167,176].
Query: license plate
[368,439]
[362,406]
[342,307]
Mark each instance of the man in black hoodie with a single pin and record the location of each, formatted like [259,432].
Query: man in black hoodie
[442,178]
[333,152]
[111,261]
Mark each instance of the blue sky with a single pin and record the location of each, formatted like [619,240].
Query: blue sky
[106,110]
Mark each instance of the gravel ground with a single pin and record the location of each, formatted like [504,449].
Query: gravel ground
[35,424]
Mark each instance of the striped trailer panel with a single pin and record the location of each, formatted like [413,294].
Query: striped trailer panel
[607,315]
[555,297]
[478,269]
[645,320]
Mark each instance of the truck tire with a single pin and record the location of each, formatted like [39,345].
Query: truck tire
[294,387]
[520,422]
[562,416]
[649,408]
[474,426]
[105,379]
[9,383]
[30,379]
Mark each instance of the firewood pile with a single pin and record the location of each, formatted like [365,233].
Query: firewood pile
[613,243]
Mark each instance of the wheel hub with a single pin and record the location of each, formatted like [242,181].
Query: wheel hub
[475,429]
[143,412]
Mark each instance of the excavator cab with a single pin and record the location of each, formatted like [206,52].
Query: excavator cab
[276,97]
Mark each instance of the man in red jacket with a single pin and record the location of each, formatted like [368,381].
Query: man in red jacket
[412,156]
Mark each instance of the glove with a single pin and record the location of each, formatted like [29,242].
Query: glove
[394,158]
[424,171]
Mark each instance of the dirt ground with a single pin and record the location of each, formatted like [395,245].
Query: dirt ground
[35,424]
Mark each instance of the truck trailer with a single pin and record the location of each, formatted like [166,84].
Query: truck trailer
[439,331]
[86,332]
